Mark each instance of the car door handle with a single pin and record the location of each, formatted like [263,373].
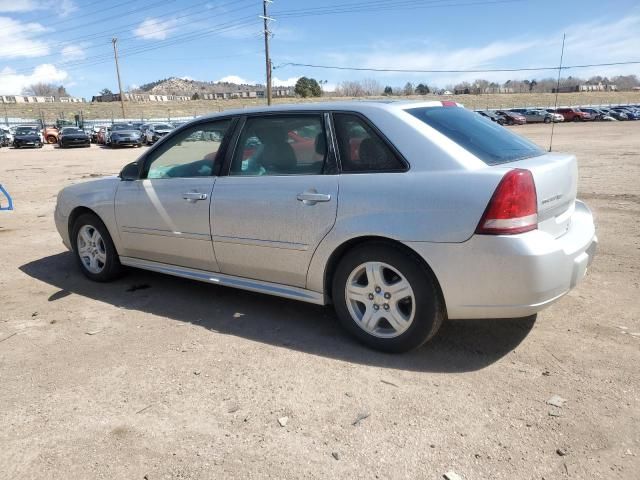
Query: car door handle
[194,196]
[311,197]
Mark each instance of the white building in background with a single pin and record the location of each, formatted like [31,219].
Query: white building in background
[38,99]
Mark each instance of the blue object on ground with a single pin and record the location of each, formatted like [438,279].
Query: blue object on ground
[6,194]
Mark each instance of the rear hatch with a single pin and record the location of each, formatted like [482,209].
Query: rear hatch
[556,179]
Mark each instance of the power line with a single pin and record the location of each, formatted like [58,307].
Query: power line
[369,7]
[124,28]
[102,58]
[486,70]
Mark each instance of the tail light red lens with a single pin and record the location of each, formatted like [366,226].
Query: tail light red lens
[513,208]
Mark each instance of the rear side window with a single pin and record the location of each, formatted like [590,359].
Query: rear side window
[361,149]
[490,142]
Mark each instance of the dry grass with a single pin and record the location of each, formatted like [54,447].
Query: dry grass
[52,111]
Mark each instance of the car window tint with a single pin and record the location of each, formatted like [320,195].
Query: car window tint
[360,148]
[490,142]
[281,145]
[189,153]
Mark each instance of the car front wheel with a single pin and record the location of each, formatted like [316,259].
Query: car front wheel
[94,249]
[386,298]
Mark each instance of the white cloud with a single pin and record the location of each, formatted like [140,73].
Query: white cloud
[287,82]
[20,6]
[65,7]
[73,52]
[62,8]
[15,38]
[236,79]
[154,29]
[606,41]
[12,83]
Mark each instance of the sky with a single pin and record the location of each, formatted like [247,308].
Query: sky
[68,42]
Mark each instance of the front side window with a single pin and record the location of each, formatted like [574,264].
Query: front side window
[281,145]
[189,153]
[361,148]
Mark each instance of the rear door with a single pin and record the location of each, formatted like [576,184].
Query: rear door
[278,200]
[164,216]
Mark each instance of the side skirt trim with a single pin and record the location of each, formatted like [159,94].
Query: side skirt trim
[259,286]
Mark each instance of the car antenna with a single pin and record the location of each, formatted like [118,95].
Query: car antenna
[555,108]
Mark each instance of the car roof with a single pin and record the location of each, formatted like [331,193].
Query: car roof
[360,106]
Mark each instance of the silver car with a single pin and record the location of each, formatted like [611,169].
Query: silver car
[400,214]
[537,116]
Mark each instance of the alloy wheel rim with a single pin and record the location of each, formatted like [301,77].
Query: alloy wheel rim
[91,249]
[380,299]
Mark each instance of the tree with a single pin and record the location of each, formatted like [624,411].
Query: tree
[350,89]
[371,86]
[307,87]
[42,89]
[106,91]
[195,96]
[388,90]
[532,85]
[408,88]
[422,89]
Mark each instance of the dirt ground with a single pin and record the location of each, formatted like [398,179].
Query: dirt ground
[154,377]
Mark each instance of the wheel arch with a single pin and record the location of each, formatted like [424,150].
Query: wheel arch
[74,215]
[348,245]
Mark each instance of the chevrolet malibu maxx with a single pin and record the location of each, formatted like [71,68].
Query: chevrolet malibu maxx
[400,214]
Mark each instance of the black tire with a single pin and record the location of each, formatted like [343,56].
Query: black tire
[112,268]
[576,119]
[429,306]
[547,120]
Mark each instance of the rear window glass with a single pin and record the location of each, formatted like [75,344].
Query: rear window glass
[490,142]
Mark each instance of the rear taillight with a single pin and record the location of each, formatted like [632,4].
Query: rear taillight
[513,208]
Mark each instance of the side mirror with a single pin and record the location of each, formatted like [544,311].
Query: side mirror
[130,172]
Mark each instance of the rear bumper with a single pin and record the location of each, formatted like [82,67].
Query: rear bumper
[511,276]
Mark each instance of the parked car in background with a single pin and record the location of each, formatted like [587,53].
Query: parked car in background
[123,135]
[491,116]
[155,131]
[574,114]
[541,116]
[512,118]
[73,137]
[630,112]
[28,136]
[476,222]
[51,134]
[620,116]
[93,135]
[596,114]
[101,136]
[8,135]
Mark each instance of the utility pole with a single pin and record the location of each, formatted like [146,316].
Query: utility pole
[115,55]
[267,58]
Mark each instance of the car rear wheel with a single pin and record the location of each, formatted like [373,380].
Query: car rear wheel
[547,120]
[51,139]
[94,249]
[386,298]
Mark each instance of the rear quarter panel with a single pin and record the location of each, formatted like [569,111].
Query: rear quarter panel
[438,207]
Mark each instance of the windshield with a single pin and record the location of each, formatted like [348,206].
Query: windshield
[26,131]
[122,127]
[163,126]
[490,142]
[71,130]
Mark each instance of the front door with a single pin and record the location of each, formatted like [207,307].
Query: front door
[278,200]
[164,216]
